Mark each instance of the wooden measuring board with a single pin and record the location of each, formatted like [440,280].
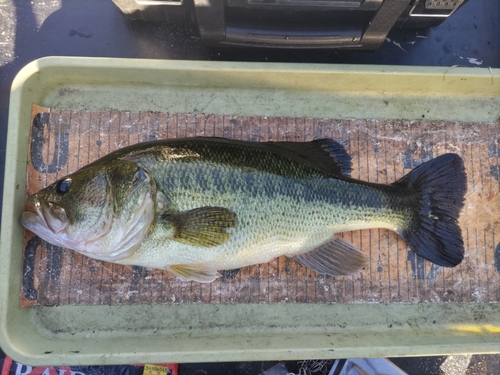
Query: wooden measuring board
[382,151]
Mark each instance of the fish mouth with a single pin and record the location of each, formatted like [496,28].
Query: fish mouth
[47,215]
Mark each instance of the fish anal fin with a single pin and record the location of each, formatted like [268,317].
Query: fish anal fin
[325,154]
[203,226]
[336,257]
[202,273]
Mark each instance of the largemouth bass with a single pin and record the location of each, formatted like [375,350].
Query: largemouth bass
[199,205]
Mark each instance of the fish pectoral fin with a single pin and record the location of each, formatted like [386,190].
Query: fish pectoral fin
[203,226]
[335,258]
[202,273]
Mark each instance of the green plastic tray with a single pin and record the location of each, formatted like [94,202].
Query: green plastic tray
[98,335]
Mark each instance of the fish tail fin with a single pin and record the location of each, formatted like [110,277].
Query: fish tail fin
[435,190]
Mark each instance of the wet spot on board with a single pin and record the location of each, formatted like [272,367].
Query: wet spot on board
[229,274]
[495,171]
[497,258]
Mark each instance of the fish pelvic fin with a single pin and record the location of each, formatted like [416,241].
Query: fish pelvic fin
[203,226]
[435,191]
[336,257]
[202,273]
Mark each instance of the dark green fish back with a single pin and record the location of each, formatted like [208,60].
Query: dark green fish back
[289,159]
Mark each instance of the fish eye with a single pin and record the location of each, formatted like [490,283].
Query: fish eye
[63,185]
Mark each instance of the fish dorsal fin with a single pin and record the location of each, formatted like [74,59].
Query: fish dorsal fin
[325,154]
[203,226]
[335,258]
[202,273]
